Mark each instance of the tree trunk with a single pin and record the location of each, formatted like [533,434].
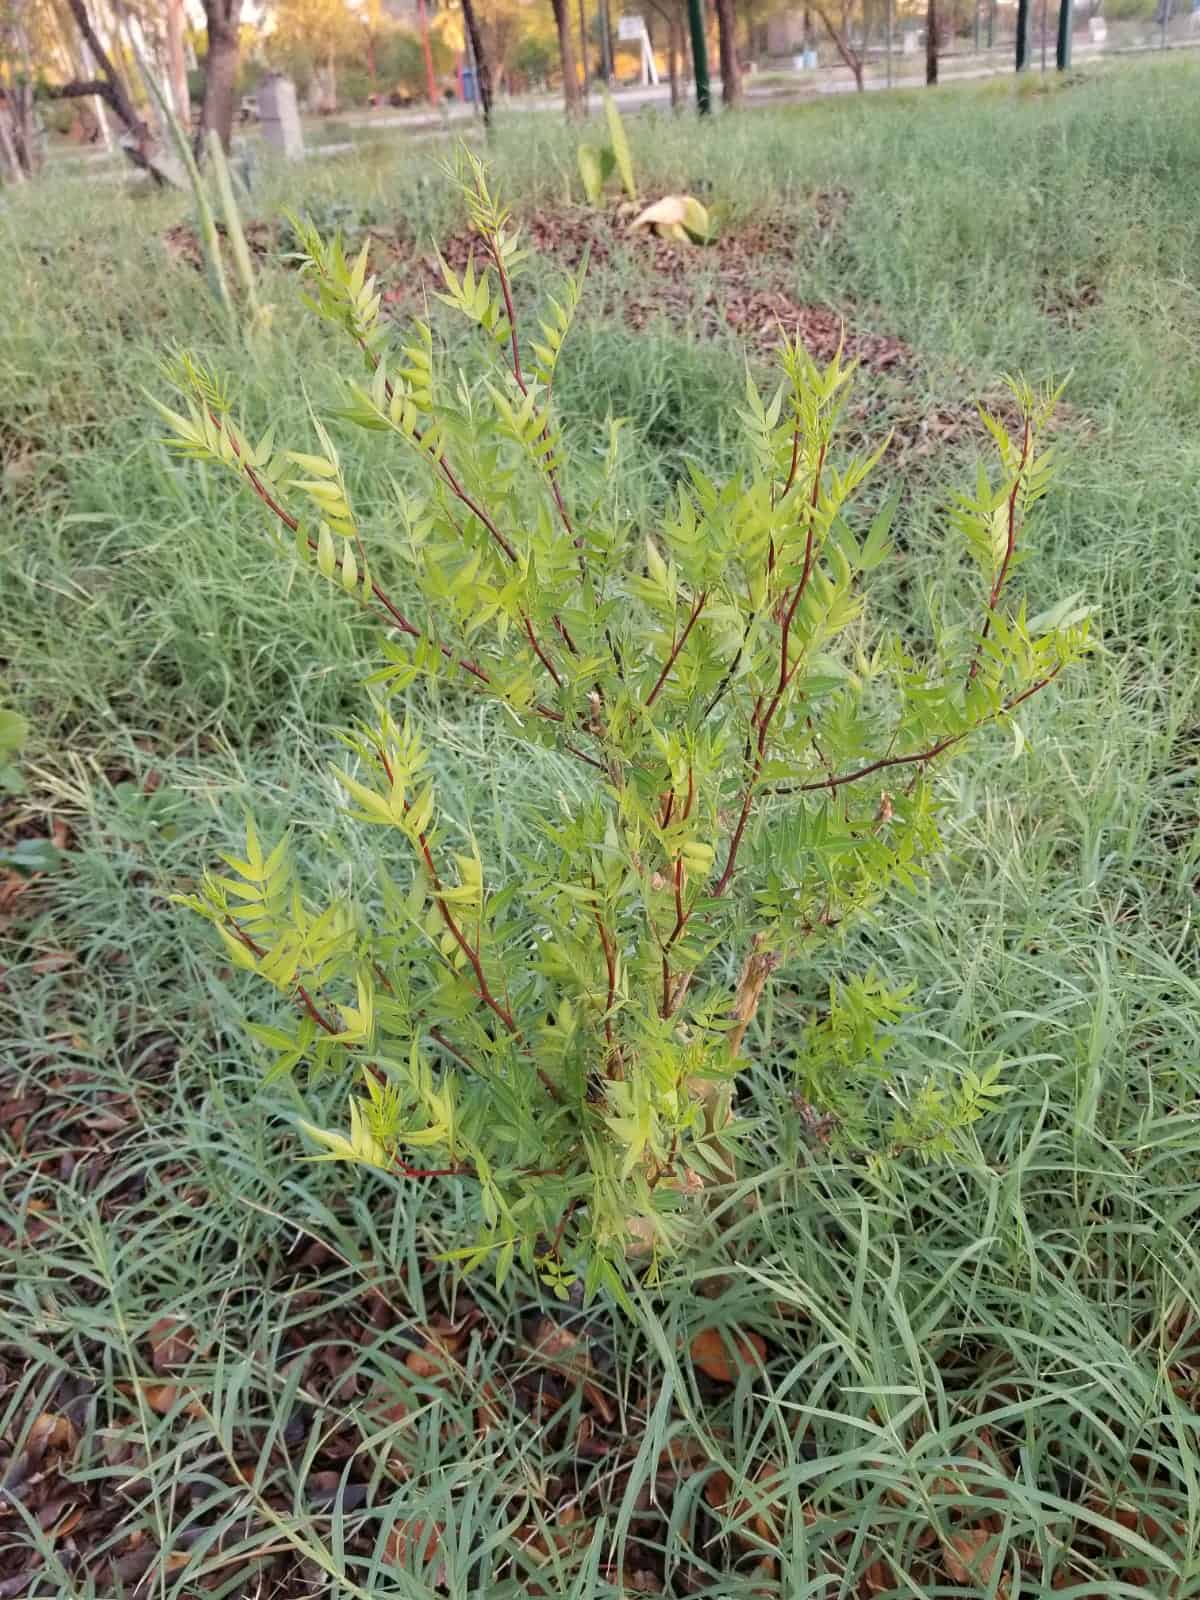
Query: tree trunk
[668,10]
[566,56]
[931,43]
[139,143]
[222,18]
[21,146]
[844,47]
[9,162]
[731,77]
[177,65]
[483,73]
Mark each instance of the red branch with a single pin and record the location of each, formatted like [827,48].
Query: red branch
[1009,550]
[610,964]
[762,719]
[697,608]
[539,652]
[393,613]
[919,757]
[682,917]
[306,1000]
[791,477]
[510,311]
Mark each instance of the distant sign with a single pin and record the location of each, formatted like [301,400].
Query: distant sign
[631,28]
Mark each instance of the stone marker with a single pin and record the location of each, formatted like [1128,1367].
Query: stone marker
[279,117]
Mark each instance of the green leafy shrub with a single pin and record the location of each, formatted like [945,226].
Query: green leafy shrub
[566,1041]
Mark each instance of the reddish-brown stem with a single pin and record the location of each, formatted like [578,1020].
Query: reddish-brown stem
[464,944]
[432,1172]
[392,612]
[919,757]
[469,950]
[668,808]
[443,465]
[540,653]
[610,965]
[791,477]
[682,917]
[519,376]
[735,842]
[763,716]
[291,524]
[307,1003]
[509,310]
[568,1212]
[697,608]
[566,637]
[719,693]
[476,510]
[452,1049]
[582,755]
[1009,550]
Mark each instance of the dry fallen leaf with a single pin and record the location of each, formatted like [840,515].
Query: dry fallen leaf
[424,1539]
[52,1435]
[568,1354]
[724,1356]
[875,1579]
[172,1343]
[163,1397]
[970,1555]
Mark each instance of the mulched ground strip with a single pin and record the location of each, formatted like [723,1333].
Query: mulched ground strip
[742,285]
[738,284]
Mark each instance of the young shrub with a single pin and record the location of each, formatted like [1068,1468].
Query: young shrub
[567,1040]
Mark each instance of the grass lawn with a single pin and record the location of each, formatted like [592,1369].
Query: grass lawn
[228,1372]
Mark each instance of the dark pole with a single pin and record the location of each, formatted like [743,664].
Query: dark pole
[583,51]
[991,23]
[1044,8]
[606,65]
[1023,7]
[1062,55]
[700,57]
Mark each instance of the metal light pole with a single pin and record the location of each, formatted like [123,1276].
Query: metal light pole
[1023,9]
[889,24]
[700,57]
[430,80]
[1062,53]
[583,51]
[606,64]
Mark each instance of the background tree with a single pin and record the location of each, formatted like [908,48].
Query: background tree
[841,40]
[731,77]
[931,42]
[19,145]
[483,71]
[566,56]
[176,29]
[222,20]
[671,13]
[110,85]
[308,39]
